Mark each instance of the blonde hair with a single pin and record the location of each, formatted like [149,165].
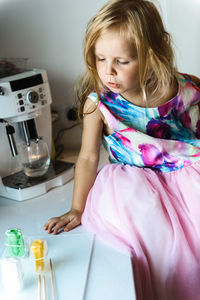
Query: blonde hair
[140,23]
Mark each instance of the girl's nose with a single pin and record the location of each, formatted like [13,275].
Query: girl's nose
[110,69]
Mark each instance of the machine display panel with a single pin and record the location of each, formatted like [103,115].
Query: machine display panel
[25,83]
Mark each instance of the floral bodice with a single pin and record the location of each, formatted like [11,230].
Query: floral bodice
[164,138]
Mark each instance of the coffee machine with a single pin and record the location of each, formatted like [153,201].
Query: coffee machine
[25,116]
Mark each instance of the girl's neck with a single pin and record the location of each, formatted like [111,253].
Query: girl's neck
[156,99]
[164,96]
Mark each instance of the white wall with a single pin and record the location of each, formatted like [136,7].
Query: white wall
[50,34]
[183,22]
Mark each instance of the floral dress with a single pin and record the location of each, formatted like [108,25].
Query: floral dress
[146,202]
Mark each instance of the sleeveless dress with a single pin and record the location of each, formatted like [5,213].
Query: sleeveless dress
[146,202]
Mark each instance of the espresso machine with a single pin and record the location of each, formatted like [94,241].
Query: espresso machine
[25,123]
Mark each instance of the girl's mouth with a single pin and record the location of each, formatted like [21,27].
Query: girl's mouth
[113,85]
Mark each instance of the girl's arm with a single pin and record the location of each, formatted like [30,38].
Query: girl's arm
[85,170]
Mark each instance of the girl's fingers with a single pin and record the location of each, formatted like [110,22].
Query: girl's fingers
[60,224]
[69,220]
[50,226]
[73,223]
[46,225]
[50,223]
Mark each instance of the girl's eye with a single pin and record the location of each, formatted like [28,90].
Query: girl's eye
[122,62]
[100,59]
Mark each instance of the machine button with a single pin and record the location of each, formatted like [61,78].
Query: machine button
[19,95]
[32,97]
[2,91]
[21,102]
[22,108]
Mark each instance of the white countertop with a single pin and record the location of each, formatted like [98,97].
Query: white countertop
[109,272]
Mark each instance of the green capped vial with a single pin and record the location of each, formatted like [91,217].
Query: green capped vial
[15,242]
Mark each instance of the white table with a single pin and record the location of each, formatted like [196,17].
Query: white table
[109,271]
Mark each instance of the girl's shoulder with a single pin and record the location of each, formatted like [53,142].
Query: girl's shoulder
[189,89]
[104,96]
[94,97]
[92,106]
[194,80]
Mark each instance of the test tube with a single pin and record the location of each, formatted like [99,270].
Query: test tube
[11,273]
[15,242]
[39,252]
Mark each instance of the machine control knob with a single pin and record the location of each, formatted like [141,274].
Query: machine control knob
[32,97]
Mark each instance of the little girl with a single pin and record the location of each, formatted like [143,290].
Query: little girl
[147,200]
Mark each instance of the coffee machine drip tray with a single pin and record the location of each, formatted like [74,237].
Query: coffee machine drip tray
[20,187]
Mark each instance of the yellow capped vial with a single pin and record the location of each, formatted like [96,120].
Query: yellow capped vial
[39,251]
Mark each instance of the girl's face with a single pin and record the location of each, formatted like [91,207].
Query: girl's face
[117,65]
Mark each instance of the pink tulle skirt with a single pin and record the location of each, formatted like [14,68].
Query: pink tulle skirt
[155,217]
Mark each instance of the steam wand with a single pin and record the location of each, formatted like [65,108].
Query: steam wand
[10,130]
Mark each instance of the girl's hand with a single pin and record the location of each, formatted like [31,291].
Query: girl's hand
[68,221]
